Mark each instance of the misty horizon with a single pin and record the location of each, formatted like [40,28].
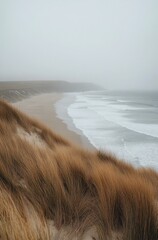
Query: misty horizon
[111,44]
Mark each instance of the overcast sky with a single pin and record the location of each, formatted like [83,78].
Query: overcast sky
[110,42]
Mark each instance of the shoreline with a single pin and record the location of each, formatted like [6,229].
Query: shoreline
[43,108]
[61,107]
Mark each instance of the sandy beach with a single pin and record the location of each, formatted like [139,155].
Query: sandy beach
[42,108]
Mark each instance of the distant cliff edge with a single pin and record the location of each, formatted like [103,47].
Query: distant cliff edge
[17,90]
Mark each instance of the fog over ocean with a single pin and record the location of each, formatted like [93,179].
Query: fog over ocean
[112,44]
[124,123]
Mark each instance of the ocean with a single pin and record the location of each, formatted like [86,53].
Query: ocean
[124,123]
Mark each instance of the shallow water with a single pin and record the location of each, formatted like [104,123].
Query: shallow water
[125,123]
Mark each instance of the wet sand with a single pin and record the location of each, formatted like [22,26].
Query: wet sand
[42,108]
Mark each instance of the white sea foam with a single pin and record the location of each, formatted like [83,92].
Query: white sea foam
[114,114]
[106,124]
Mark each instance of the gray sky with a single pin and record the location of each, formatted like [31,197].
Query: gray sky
[110,42]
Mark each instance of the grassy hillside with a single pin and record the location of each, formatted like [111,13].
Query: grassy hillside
[15,91]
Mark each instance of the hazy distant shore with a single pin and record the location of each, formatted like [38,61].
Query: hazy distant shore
[14,91]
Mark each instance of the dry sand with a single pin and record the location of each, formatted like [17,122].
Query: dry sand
[42,108]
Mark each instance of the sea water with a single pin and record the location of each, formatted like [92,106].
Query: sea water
[124,123]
